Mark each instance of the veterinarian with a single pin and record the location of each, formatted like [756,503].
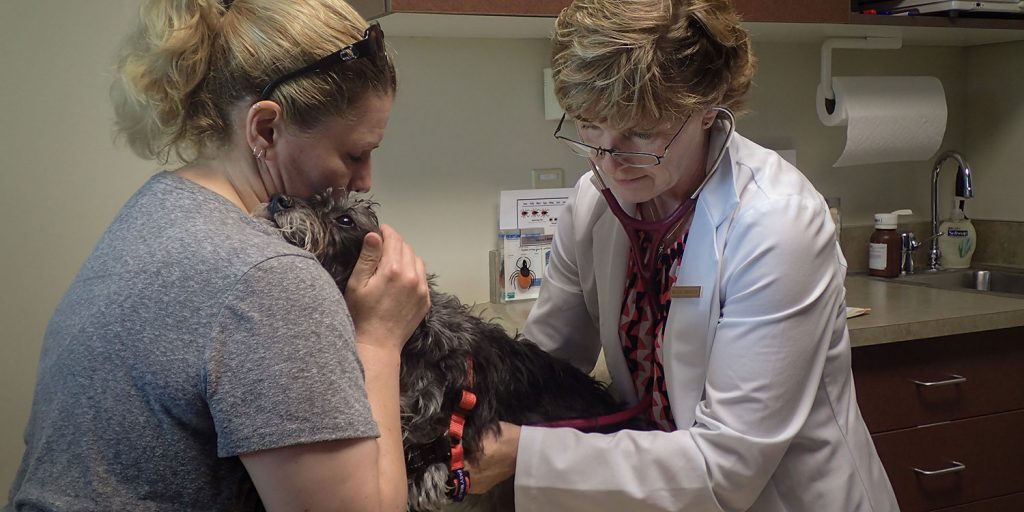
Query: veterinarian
[744,363]
[199,362]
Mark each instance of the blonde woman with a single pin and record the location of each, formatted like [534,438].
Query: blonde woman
[199,362]
[706,267]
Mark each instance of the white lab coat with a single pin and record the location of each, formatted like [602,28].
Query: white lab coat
[757,367]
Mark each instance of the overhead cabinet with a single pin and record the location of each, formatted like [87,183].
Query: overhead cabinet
[752,11]
[803,11]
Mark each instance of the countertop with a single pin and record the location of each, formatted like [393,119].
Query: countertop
[899,311]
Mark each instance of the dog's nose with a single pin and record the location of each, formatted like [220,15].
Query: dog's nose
[279,202]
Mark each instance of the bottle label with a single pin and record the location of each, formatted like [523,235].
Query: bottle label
[877,256]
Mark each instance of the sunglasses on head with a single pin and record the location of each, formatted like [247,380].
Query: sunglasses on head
[371,46]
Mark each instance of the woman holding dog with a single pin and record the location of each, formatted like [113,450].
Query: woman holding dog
[198,361]
[707,268]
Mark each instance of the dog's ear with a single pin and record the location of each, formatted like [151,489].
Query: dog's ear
[279,203]
[298,222]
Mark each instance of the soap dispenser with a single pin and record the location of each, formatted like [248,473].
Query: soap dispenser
[958,240]
[884,246]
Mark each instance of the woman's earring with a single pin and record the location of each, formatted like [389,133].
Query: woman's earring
[258,152]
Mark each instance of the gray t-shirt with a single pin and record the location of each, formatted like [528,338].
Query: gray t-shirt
[193,333]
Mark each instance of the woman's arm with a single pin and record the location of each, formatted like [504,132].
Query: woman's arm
[388,297]
[388,301]
[326,476]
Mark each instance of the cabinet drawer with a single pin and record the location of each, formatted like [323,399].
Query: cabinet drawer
[970,375]
[990,450]
[1012,503]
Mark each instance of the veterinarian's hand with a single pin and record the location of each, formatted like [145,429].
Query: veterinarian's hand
[387,294]
[497,463]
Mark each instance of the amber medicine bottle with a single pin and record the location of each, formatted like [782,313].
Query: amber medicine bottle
[884,246]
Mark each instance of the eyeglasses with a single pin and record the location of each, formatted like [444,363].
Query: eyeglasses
[630,158]
[370,46]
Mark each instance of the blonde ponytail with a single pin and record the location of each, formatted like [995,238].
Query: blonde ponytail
[190,62]
[161,68]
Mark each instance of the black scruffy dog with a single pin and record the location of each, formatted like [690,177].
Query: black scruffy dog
[514,380]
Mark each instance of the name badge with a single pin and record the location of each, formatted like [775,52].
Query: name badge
[685,292]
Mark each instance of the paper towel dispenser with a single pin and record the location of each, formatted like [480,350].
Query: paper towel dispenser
[887,118]
[865,43]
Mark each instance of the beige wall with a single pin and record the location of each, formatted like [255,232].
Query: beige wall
[995,130]
[468,123]
[62,178]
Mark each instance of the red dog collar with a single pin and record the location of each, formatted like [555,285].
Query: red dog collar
[458,477]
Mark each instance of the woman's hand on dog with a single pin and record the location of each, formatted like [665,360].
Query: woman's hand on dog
[497,463]
[387,295]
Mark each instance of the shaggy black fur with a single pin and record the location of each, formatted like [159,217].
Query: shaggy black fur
[516,381]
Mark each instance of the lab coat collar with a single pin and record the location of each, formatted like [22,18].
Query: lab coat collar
[719,196]
[691,322]
[610,274]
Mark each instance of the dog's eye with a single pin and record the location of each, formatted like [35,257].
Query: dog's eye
[346,220]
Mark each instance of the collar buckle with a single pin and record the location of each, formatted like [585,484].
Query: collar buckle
[437,452]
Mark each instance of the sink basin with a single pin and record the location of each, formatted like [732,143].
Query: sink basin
[997,281]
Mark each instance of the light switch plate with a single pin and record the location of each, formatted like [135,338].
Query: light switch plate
[552,110]
[548,178]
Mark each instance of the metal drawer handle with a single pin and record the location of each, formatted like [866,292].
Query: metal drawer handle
[956,379]
[955,468]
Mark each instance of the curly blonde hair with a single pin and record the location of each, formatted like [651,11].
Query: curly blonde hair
[641,62]
[189,62]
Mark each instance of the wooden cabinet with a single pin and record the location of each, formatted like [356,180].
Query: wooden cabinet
[947,418]
[794,11]
[1011,503]
[812,11]
[377,8]
[756,11]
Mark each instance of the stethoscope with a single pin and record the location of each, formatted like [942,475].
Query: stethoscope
[646,259]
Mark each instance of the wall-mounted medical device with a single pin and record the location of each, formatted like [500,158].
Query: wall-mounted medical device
[526,225]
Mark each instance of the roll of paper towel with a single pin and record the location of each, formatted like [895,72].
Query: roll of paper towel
[887,118]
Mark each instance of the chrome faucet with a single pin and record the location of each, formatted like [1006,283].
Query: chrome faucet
[908,244]
[964,188]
